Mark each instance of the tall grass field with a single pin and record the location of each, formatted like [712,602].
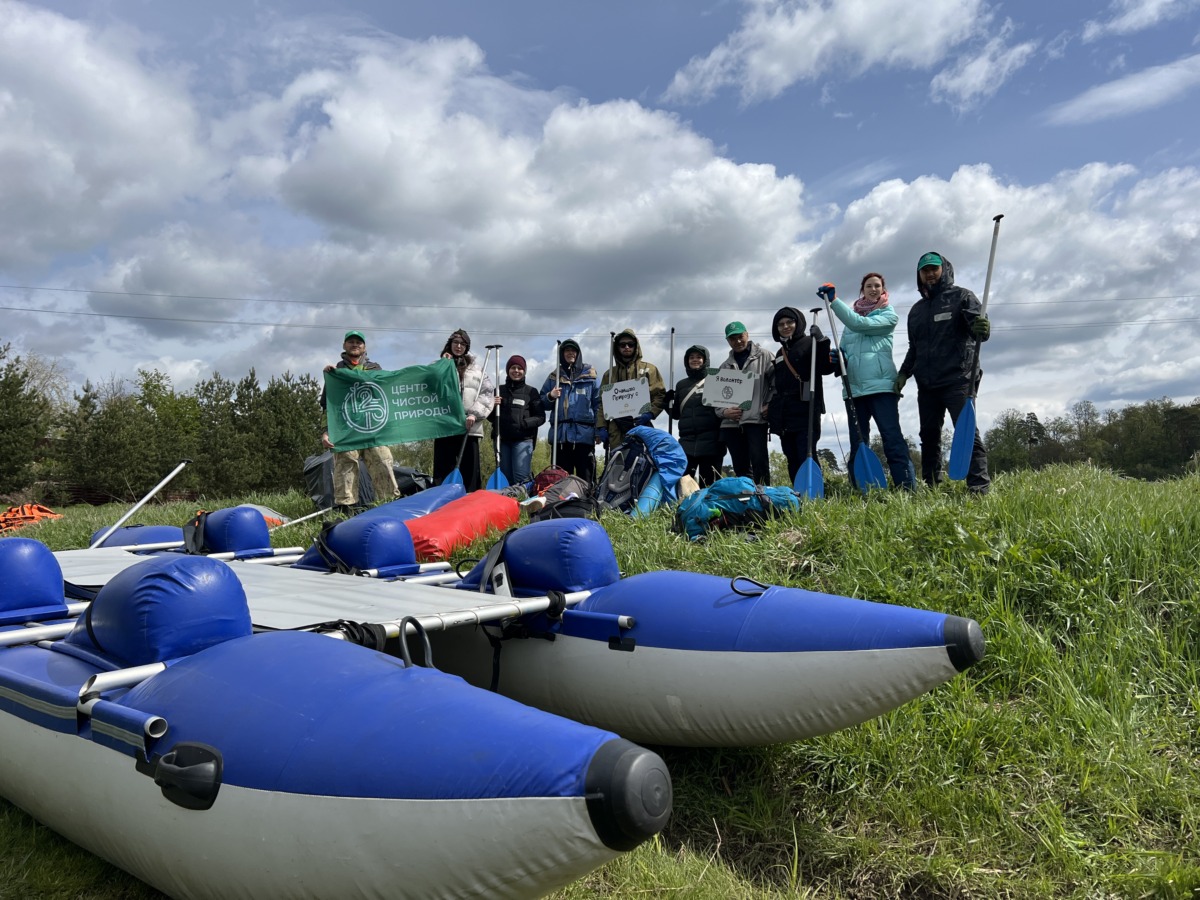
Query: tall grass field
[1066,764]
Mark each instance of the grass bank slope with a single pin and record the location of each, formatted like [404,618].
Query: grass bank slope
[1067,764]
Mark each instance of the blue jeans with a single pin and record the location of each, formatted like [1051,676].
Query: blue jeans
[885,410]
[515,459]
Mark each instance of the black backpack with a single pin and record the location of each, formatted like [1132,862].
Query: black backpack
[628,469]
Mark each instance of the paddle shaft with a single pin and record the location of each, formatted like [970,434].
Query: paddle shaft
[478,390]
[496,387]
[850,409]
[671,380]
[973,387]
[810,450]
[125,518]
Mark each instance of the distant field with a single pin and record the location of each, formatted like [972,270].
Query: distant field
[1067,764]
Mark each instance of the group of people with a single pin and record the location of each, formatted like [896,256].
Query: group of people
[945,327]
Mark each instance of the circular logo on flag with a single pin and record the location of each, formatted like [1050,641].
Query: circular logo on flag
[365,407]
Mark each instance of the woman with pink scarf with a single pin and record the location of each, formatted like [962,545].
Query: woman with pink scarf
[871,374]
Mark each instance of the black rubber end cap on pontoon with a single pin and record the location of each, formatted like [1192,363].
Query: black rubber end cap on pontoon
[964,641]
[629,795]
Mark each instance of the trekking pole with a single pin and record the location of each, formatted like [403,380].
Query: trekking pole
[557,400]
[671,379]
[125,518]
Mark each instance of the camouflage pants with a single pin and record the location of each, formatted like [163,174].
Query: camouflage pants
[379,468]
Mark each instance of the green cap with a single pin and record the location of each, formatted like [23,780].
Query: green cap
[734,328]
[357,334]
[929,259]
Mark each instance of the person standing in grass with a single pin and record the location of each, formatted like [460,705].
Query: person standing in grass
[699,424]
[744,431]
[788,414]
[871,373]
[345,463]
[573,387]
[943,327]
[520,415]
[477,395]
[628,365]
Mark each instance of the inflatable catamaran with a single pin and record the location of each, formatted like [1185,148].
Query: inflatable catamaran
[155,728]
[668,658]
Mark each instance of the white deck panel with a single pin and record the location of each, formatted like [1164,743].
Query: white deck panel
[281,597]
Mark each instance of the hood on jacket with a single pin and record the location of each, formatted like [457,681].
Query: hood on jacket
[789,312]
[569,344]
[637,346]
[947,279]
[693,373]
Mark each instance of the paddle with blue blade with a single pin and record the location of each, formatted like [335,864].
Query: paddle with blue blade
[455,476]
[963,445]
[810,481]
[497,481]
[867,469]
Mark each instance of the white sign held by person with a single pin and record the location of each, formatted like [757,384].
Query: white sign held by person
[625,398]
[725,388]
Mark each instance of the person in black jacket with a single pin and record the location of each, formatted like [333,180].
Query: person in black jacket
[699,425]
[944,327]
[788,413]
[520,412]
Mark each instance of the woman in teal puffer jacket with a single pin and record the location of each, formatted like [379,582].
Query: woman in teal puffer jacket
[867,345]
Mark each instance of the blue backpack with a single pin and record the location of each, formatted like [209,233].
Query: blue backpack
[732,503]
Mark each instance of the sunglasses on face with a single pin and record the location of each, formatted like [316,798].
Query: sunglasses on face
[625,345]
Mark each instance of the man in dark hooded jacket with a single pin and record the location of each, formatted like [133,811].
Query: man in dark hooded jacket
[699,425]
[944,327]
[628,365]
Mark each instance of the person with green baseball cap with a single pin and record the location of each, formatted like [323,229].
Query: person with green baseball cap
[745,431]
[378,460]
[942,327]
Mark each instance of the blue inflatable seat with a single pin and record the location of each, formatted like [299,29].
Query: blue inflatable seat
[236,530]
[31,582]
[363,542]
[165,608]
[554,555]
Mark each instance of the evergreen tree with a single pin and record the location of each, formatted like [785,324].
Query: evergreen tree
[24,421]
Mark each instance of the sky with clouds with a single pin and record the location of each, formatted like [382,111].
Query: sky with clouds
[209,187]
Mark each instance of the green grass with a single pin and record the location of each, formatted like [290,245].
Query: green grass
[1066,764]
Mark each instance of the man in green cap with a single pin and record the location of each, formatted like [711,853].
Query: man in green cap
[943,327]
[744,431]
[345,463]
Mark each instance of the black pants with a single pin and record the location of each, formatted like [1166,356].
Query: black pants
[445,454]
[578,459]
[797,444]
[932,406]
[705,469]
[748,451]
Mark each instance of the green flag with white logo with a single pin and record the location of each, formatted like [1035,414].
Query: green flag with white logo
[378,407]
